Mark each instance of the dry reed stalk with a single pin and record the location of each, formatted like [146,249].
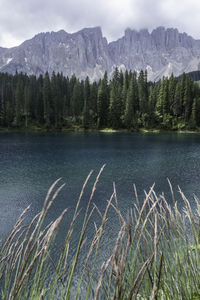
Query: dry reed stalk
[40,250]
[141,274]
[15,230]
[147,255]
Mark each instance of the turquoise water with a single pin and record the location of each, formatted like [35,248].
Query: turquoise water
[29,163]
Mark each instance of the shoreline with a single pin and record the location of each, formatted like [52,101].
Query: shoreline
[103,130]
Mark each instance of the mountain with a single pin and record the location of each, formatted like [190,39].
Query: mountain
[87,52]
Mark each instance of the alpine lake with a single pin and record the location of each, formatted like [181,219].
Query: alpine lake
[30,163]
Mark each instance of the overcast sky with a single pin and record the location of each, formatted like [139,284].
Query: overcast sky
[22,19]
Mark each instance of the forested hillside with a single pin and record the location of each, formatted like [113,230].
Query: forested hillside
[127,101]
[195,75]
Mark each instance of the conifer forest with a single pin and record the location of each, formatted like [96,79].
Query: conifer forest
[126,101]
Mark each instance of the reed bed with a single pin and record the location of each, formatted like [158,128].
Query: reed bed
[155,254]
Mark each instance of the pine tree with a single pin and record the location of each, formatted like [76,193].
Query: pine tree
[152,106]
[39,107]
[171,92]
[162,105]
[93,101]
[55,95]
[124,94]
[27,97]
[47,99]
[103,103]
[132,104]
[142,91]
[166,107]
[72,82]
[76,105]
[3,102]
[177,105]
[194,115]
[19,99]
[7,109]
[115,107]
[187,98]
[86,114]
[66,97]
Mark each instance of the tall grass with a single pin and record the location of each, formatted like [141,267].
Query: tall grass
[155,254]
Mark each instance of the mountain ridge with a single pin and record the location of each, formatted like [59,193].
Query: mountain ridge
[88,53]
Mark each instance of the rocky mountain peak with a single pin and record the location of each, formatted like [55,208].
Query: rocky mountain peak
[94,31]
[87,53]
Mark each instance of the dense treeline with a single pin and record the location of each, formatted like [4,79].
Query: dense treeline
[126,101]
[194,75]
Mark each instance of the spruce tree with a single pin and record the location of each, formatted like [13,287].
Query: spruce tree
[151,106]
[115,108]
[93,101]
[194,115]
[86,114]
[27,97]
[171,92]
[103,103]
[187,98]
[76,105]
[124,95]
[132,104]
[143,91]
[19,99]
[47,99]
[177,105]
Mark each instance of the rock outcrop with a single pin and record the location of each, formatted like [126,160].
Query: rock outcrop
[87,52]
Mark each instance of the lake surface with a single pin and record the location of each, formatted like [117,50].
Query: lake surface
[30,163]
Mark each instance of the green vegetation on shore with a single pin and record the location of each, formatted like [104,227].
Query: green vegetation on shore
[126,102]
[155,253]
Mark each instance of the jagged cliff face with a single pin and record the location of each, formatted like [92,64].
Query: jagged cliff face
[82,53]
[87,52]
[161,52]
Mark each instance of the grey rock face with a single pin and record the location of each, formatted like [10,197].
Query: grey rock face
[162,52]
[87,52]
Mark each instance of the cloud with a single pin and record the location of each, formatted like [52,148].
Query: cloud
[20,20]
